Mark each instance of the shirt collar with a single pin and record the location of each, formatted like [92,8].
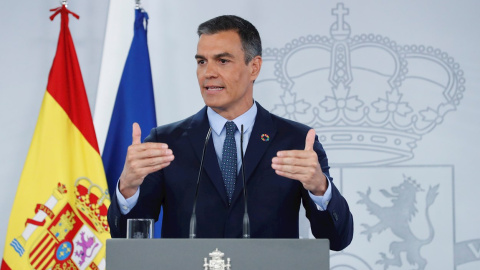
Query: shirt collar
[247,119]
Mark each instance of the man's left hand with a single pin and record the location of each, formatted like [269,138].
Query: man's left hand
[302,165]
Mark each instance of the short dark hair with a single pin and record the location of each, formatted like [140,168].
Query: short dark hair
[251,43]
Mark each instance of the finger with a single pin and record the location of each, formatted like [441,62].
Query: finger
[301,164]
[148,170]
[154,145]
[298,170]
[294,154]
[152,153]
[147,146]
[309,140]
[295,161]
[151,162]
[292,176]
[285,161]
[136,133]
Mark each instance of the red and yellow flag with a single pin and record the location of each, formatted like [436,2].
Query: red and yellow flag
[59,216]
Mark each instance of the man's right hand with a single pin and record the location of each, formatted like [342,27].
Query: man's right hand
[142,159]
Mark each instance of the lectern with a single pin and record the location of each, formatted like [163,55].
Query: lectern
[218,254]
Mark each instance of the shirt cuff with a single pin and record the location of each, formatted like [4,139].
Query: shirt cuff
[126,204]
[322,201]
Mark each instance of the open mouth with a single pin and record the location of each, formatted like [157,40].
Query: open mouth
[214,88]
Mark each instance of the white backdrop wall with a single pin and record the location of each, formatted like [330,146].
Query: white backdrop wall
[391,88]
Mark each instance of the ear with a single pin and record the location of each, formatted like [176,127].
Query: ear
[255,66]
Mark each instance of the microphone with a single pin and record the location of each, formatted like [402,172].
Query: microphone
[193,218]
[246,220]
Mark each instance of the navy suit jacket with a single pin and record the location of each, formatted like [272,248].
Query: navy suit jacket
[273,201]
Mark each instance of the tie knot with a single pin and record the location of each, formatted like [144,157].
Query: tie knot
[230,127]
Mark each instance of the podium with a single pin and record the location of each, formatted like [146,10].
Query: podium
[239,254]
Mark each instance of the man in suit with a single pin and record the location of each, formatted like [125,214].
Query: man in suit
[285,165]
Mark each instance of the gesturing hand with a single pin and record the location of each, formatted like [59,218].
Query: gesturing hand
[142,159]
[302,165]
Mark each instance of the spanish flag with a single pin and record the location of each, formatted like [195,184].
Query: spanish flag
[59,216]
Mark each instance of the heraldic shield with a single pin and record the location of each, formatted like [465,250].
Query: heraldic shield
[73,238]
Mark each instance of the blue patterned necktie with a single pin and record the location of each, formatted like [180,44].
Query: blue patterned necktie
[229,159]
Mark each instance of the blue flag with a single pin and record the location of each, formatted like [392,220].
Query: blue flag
[134,103]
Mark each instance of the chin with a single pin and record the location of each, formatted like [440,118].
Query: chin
[212,101]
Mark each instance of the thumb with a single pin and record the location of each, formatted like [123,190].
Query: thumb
[136,133]
[309,140]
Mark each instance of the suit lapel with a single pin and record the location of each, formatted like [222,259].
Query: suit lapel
[256,148]
[198,126]
[256,145]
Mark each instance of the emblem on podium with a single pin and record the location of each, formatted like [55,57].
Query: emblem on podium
[216,261]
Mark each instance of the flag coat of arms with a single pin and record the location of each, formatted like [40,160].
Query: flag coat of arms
[59,216]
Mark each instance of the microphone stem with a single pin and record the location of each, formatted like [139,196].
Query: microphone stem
[193,219]
[246,220]
[193,226]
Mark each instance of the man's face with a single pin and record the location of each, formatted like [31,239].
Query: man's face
[225,81]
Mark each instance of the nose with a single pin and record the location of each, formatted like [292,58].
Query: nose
[210,71]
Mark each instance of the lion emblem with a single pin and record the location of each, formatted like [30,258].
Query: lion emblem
[397,218]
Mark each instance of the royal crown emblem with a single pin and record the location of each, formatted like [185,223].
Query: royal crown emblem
[368,91]
[216,261]
[66,236]
[90,203]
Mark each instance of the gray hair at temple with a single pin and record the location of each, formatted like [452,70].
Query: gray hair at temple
[251,43]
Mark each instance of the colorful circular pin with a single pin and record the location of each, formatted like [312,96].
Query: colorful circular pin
[265,137]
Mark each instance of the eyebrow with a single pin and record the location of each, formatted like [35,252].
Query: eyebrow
[216,56]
